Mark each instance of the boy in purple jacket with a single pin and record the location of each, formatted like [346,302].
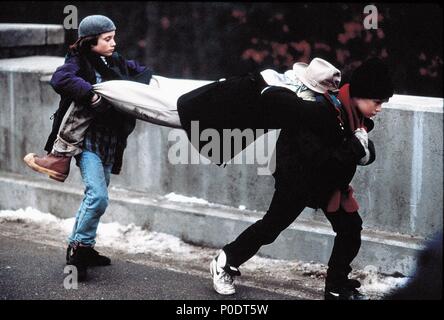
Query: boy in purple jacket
[92,59]
[88,128]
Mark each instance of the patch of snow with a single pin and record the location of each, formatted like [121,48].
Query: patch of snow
[27,215]
[374,282]
[133,239]
[184,199]
[129,238]
[115,188]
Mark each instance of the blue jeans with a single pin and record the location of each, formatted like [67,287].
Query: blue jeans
[95,176]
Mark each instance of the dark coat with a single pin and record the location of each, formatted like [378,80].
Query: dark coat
[73,81]
[317,155]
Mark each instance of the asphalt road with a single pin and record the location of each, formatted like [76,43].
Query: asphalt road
[30,270]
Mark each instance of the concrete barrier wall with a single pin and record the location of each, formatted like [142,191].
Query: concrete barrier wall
[28,39]
[400,194]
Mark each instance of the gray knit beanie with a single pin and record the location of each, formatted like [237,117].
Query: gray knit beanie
[94,25]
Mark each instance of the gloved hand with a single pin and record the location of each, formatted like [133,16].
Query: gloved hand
[362,136]
[99,104]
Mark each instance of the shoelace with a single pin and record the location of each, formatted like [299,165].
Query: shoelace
[227,278]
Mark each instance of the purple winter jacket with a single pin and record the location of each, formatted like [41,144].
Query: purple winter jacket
[73,81]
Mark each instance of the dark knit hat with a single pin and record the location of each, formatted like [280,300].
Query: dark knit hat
[371,80]
[94,25]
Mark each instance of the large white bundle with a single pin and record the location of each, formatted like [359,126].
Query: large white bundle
[155,103]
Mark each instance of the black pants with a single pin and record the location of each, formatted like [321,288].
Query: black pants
[285,207]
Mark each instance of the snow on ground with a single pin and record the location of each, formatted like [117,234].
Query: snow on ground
[133,239]
[180,198]
[184,199]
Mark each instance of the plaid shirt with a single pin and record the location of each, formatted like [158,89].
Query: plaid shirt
[101,139]
[103,142]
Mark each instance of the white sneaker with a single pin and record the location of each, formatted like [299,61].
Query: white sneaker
[223,282]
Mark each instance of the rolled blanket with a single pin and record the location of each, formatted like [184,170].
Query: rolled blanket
[155,103]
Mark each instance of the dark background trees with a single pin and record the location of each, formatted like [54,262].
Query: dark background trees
[209,40]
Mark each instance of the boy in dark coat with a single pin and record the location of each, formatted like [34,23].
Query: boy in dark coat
[317,152]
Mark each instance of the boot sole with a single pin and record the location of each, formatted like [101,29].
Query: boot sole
[29,160]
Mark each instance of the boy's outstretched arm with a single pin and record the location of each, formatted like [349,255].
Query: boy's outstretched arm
[138,72]
[135,67]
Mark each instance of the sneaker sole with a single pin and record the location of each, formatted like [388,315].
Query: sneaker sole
[214,286]
[29,160]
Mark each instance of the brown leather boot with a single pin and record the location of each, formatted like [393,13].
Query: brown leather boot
[57,167]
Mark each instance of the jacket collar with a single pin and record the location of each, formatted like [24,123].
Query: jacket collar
[354,116]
